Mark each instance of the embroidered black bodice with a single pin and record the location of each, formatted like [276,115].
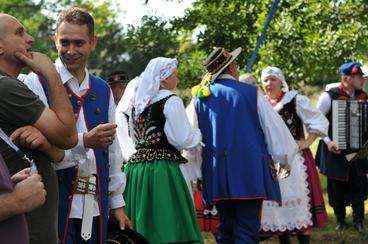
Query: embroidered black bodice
[291,119]
[149,136]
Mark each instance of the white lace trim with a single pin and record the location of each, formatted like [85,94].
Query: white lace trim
[295,212]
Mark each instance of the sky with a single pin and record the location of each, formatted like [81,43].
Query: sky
[135,9]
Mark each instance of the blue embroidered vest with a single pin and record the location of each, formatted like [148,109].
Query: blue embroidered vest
[95,105]
[236,164]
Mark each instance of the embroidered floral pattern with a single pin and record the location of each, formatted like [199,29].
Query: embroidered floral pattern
[290,121]
[144,128]
[167,70]
[147,155]
[149,136]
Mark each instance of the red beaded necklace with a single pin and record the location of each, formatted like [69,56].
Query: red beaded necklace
[277,100]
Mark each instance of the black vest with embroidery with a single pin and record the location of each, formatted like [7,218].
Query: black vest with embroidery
[149,136]
[291,119]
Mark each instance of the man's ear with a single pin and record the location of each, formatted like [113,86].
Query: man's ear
[346,79]
[232,68]
[94,41]
[163,83]
[56,41]
[1,48]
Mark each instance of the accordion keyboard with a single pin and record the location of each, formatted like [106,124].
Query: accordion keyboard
[339,123]
[349,123]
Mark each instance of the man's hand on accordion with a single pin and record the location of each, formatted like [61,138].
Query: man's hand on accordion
[332,148]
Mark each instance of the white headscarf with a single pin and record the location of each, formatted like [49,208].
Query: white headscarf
[275,72]
[141,89]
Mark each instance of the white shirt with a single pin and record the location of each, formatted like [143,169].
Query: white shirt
[85,156]
[177,129]
[280,143]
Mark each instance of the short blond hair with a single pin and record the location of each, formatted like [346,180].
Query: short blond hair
[246,78]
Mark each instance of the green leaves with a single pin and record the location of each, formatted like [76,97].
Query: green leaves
[308,40]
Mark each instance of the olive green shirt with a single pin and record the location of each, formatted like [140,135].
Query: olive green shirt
[19,107]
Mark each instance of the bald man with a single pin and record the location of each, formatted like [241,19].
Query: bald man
[248,78]
[39,131]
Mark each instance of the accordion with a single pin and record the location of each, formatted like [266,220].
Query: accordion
[349,123]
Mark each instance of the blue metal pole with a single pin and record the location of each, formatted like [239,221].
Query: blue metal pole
[263,34]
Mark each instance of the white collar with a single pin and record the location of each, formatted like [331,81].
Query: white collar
[289,95]
[161,94]
[65,75]
[225,76]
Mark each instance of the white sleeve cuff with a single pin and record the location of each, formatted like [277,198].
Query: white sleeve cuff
[80,144]
[79,151]
[116,201]
[327,140]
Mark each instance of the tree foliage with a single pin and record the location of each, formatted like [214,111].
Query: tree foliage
[153,38]
[308,40]
[311,39]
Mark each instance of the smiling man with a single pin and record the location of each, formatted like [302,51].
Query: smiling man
[90,176]
[29,123]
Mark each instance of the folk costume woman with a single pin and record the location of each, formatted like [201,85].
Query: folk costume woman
[157,197]
[302,202]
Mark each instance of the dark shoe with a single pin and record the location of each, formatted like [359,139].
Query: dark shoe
[284,239]
[303,239]
[359,227]
[341,226]
[263,236]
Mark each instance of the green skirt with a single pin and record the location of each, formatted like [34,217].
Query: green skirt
[159,204]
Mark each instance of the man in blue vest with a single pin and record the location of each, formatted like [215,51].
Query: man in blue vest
[243,137]
[346,181]
[90,178]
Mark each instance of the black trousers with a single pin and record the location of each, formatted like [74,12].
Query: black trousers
[345,193]
[239,221]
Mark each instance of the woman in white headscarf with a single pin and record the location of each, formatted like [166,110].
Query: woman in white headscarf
[302,202]
[157,198]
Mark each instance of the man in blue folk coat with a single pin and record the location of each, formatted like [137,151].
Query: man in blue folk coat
[243,137]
